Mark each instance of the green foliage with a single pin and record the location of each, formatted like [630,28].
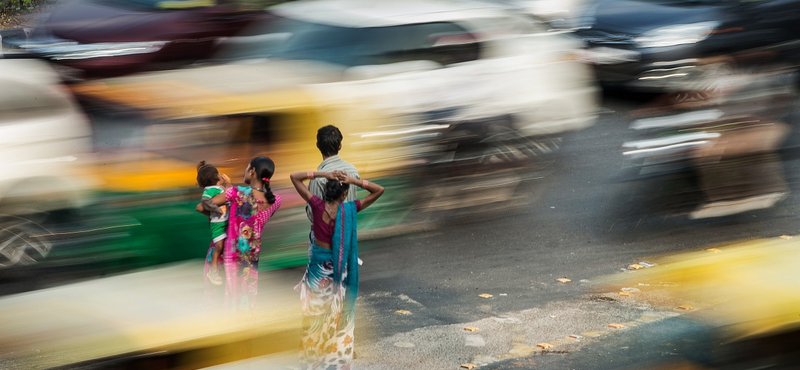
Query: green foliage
[19,6]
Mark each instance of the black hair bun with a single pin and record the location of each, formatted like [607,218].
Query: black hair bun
[334,190]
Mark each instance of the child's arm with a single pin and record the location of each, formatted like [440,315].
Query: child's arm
[208,205]
[217,200]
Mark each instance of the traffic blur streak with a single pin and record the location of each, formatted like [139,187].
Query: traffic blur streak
[744,295]
[151,319]
[724,142]
[504,80]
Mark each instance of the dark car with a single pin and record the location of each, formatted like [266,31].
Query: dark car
[680,45]
[105,38]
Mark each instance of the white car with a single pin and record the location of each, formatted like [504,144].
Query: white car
[416,56]
[44,137]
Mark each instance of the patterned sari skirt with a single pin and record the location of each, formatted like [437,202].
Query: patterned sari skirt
[237,295]
[327,339]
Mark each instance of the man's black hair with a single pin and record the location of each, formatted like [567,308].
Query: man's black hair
[329,140]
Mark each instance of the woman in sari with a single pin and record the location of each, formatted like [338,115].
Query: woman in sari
[251,208]
[330,285]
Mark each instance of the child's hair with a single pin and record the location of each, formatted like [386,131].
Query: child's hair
[207,175]
[264,168]
[334,190]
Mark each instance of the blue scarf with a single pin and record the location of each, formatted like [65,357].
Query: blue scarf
[345,247]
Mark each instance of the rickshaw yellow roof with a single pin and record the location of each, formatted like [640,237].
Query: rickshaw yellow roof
[174,99]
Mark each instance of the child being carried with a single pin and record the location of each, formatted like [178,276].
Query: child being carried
[213,183]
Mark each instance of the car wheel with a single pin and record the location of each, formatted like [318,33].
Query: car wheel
[22,242]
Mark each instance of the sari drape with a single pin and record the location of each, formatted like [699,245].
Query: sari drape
[328,295]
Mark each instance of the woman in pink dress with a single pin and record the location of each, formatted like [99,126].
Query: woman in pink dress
[251,207]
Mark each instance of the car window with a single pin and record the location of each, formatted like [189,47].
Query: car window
[351,46]
[445,43]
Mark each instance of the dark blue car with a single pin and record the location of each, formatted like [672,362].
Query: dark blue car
[678,45]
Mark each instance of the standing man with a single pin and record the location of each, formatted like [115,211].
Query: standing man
[329,142]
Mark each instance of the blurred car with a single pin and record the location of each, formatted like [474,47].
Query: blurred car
[53,224]
[684,44]
[416,57]
[46,140]
[104,38]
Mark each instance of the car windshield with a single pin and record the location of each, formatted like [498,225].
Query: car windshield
[291,39]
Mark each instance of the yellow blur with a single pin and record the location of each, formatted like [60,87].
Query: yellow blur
[150,313]
[748,287]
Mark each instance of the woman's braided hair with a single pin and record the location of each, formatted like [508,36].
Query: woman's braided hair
[264,168]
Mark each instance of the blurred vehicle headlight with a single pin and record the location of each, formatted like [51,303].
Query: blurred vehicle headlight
[676,35]
[66,51]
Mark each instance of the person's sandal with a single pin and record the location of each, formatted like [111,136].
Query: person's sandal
[213,277]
